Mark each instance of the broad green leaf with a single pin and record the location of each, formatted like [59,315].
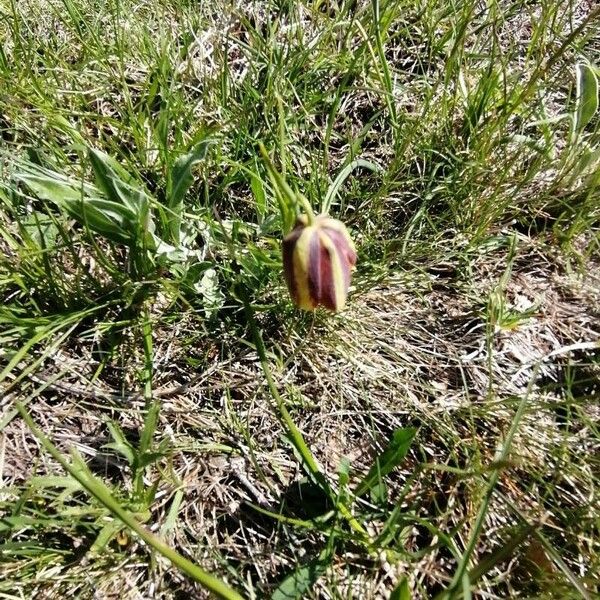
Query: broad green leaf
[149,458]
[119,186]
[106,169]
[388,459]
[344,471]
[52,187]
[113,220]
[181,175]
[189,274]
[40,229]
[586,102]
[401,591]
[379,493]
[180,180]
[589,159]
[303,578]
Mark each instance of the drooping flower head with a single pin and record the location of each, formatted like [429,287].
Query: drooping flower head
[318,258]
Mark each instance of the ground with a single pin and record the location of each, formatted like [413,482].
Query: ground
[436,439]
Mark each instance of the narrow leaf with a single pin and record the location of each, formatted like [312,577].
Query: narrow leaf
[388,459]
[180,180]
[586,103]
[105,536]
[502,553]
[120,443]
[401,591]
[286,197]
[341,178]
[173,514]
[260,198]
[303,578]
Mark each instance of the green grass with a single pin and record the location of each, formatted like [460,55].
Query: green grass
[170,423]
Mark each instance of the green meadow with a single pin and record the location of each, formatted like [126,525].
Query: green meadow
[172,426]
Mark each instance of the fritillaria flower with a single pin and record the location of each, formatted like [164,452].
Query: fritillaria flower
[318,259]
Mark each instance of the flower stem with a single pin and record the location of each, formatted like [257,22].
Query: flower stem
[289,194]
[310,215]
[296,437]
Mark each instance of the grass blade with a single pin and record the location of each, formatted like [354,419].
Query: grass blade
[401,591]
[343,175]
[180,180]
[391,457]
[98,490]
[586,103]
[304,577]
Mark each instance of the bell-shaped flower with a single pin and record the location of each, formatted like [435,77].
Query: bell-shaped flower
[318,259]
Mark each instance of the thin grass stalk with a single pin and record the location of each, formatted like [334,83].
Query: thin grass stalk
[100,492]
[294,433]
[152,405]
[461,575]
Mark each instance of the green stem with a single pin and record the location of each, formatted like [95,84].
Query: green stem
[307,208]
[296,436]
[387,78]
[293,198]
[98,490]
[152,406]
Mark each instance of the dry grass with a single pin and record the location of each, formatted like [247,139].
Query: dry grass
[448,329]
[417,350]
